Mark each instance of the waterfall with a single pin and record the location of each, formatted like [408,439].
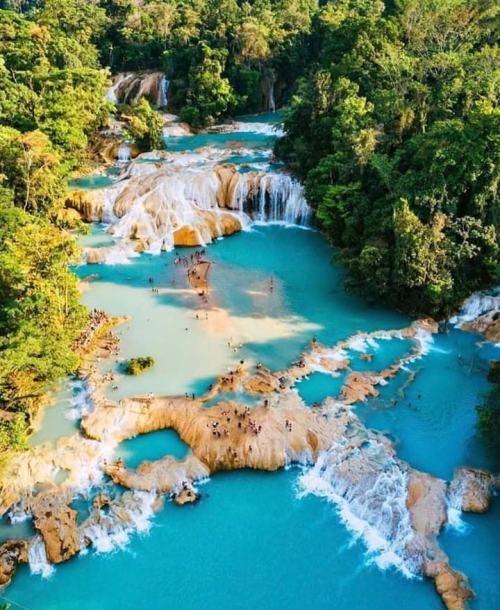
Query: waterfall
[272,198]
[476,305]
[271,100]
[130,87]
[162,100]
[154,205]
[124,153]
[130,514]
[37,558]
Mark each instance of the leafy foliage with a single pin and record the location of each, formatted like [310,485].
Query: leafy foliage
[395,130]
[220,55]
[489,411]
[135,366]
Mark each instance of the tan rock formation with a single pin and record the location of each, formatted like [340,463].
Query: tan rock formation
[451,585]
[56,523]
[426,501]
[487,324]
[165,475]
[471,489]
[186,496]
[131,87]
[89,204]
[12,553]
[228,178]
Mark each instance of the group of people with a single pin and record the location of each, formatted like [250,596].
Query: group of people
[97,318]
[196,257]
[154,290]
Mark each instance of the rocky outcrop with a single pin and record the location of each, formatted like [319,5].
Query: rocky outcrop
[208,226]
[487,324]
[89,204]
[174,127]
[228,179]
[56,522]
[471,489]
[12,553]
[452,586]
[131,87]
[426,502]
[187,495]
[480,313]
[165,475]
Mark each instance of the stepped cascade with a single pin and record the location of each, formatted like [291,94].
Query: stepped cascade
[167,199]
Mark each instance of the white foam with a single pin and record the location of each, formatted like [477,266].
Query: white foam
[373,509]
[81,401]
[271,129]
[37,558]
[133,513]
[476,305]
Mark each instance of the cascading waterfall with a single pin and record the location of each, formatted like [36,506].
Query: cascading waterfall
[152,203]
[37,558]
[133,514]
[372,505]
[272,101]
[173,200]
[170,199]
[124,153]
[276,198]
[476,305]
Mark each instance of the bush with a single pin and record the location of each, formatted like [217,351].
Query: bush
[135,366]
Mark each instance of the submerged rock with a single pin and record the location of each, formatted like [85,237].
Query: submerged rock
[187,495]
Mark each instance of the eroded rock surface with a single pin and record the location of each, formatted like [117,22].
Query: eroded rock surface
[472,488]
[56,523]
[12,553]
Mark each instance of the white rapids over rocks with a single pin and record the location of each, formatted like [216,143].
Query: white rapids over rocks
[374,508]
[476,305]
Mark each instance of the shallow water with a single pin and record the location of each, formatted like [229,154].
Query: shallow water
[151,447]
[251,542]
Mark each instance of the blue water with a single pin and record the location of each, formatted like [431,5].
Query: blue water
[96,181]
[151,447]
[316,387]
[219,140]
[250,542]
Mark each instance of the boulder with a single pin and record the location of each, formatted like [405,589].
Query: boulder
[12,553]
[56,522]
[471,489]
